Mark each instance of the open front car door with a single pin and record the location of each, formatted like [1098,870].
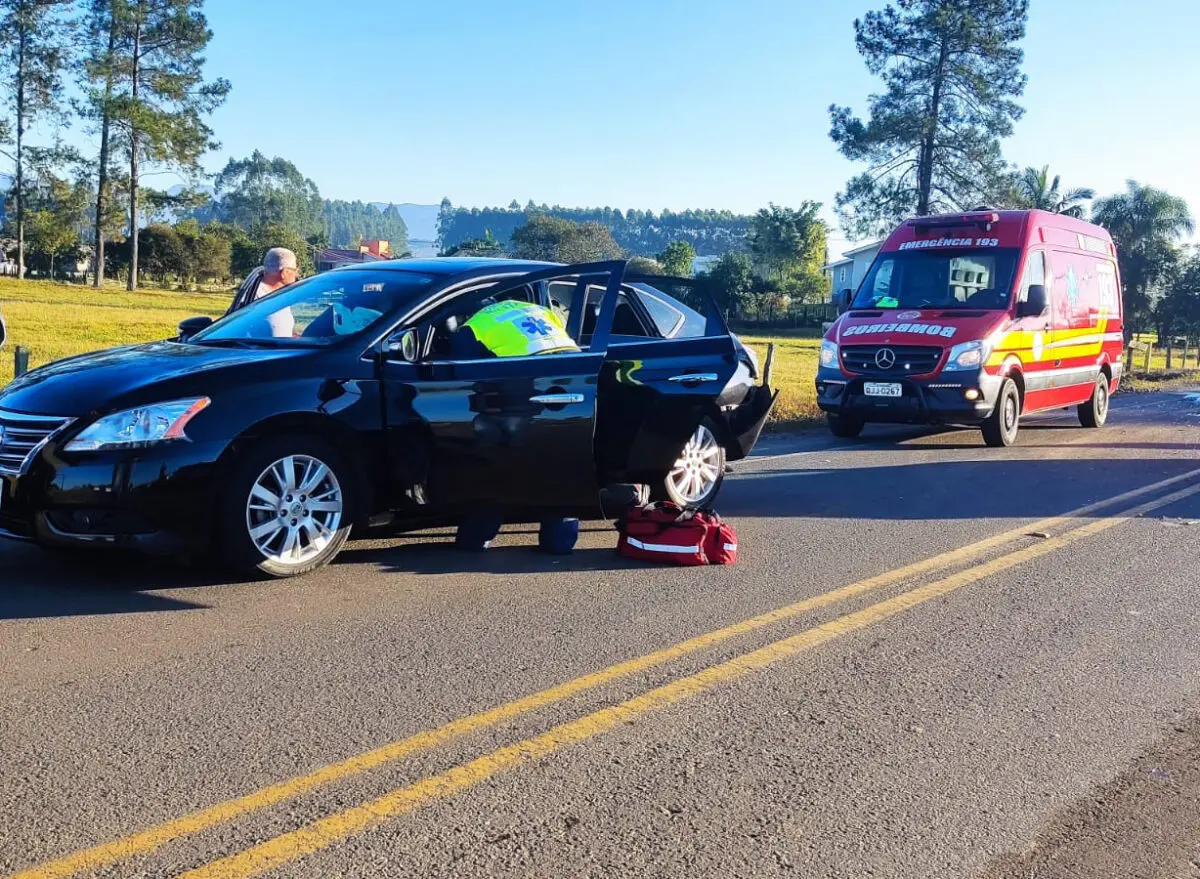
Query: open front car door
[513,434]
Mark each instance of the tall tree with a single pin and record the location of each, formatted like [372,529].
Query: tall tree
[258,190]
[34,42]
[785,241]
[1146,224]
[160,98]
[731,281]
[678,258]
[97,78]
[952,72]
[55,212]
[1037,190]
[557,240]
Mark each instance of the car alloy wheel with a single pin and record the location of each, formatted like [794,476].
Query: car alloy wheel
[294,510]
[698,468]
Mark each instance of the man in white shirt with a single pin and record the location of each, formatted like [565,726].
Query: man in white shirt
[279,270]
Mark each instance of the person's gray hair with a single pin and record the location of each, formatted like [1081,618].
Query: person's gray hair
[278,259]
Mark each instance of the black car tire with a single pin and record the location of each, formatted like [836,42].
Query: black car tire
[844,426]
[1094,413]
[1001,427]
[234,544]
[667,488]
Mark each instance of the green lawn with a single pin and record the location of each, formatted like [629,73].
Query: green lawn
[794,372]
[58,320]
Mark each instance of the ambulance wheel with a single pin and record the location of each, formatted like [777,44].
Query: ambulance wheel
[1094,412]
[1000,429]
[843,426]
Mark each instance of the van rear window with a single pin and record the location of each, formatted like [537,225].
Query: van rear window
[946,278]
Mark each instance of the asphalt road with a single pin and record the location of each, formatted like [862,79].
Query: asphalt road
[933,659]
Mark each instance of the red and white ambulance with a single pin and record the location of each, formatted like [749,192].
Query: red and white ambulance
[978,319]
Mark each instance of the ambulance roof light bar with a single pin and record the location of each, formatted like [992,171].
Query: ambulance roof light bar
[978,218]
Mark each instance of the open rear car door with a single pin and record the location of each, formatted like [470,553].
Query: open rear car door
[656,392]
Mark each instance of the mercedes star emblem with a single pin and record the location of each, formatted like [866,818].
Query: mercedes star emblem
[885,358]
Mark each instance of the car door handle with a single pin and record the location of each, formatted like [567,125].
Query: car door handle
[557,399]
[694,377]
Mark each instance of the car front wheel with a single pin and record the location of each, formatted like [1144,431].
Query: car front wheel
[286,511]
[695,478]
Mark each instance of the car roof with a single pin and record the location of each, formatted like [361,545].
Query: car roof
[448,266]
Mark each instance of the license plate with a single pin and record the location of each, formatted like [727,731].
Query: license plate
[883,389]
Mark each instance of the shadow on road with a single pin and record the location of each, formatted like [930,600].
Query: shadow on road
[413,557]
[40,585]
[999,488]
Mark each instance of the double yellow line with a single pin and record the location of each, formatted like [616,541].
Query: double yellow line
[327,831]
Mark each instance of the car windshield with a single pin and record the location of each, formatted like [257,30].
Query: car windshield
[319,310]
[950,278]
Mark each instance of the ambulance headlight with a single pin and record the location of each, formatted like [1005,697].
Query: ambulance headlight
[968,355]
[828,353]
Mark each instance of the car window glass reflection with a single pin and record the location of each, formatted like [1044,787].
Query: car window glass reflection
[321,309]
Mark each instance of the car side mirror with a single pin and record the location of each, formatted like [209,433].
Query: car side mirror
[843,301]
[403,346]
[192,325]
[1035,302]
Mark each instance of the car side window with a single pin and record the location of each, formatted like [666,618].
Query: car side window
[626,320]
[449,320]
[1035,273]
[668,318]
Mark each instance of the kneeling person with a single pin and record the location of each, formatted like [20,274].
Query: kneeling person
[512,329]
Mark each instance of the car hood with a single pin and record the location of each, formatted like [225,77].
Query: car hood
[926,327]
[128,376]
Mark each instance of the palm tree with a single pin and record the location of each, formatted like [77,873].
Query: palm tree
[1037,191]
[1145,223]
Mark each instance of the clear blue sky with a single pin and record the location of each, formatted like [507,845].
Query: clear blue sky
[661,103]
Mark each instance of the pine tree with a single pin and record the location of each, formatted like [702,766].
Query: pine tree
[34,51]
[952,71]
[159,97]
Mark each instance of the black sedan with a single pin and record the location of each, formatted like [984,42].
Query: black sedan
[333,404]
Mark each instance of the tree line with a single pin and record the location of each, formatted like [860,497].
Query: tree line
[132,73]
[710,232]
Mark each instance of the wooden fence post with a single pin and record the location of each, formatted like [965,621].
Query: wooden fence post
[20,361]
[1149,356]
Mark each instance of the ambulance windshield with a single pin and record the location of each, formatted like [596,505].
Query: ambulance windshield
[967,278]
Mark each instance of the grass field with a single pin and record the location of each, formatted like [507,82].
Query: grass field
[794,371]
[58,320]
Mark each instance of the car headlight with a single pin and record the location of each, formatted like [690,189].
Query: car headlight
[968,355]
[138,427]
[828,353]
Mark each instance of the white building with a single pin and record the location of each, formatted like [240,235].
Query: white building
[847,273]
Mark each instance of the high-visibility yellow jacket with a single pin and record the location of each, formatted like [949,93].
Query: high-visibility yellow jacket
[519,329]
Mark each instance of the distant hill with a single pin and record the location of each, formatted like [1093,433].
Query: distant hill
[421,219]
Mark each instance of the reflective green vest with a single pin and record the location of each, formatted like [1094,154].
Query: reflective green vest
[519,329]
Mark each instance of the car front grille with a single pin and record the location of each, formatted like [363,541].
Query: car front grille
[903,359]
[21,436]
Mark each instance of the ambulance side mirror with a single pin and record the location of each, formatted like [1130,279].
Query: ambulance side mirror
[843,301]
[1034,304]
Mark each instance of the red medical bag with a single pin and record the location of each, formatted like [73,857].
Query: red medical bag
[667,534]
